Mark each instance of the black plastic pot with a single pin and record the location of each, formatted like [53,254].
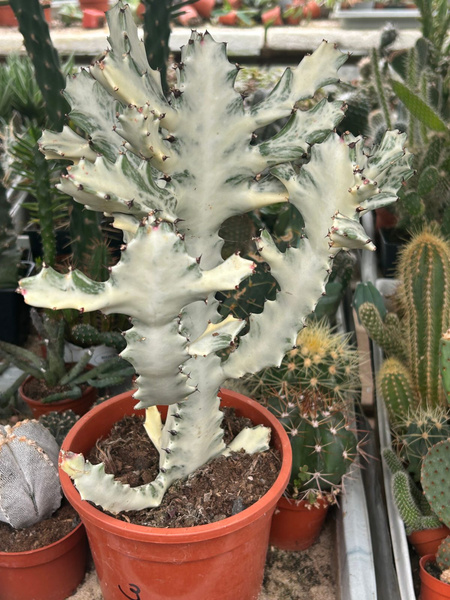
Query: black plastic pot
[14,313]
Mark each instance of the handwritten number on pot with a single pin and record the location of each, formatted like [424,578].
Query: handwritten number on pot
[134,589]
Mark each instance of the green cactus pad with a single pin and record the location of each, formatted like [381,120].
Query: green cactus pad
[435,479]
[443,554]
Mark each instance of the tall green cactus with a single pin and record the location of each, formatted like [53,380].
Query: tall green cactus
[412,373]
[35,31]
[424,293]
[171,172]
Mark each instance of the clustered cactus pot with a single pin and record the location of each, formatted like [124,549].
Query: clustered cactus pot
[29,493]
[170,172]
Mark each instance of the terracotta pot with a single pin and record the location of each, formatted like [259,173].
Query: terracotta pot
[80,406]
[93,19]
[221,561]
[231,18]
[430,587]
[272,16]
[49,573]
[8,18]
[427,541]
[294,18]
[204,7]
[297,525]
[189,17]
[102,5]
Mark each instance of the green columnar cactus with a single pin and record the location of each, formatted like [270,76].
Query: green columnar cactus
[383,327]
[29,484]
[35,31]
[411,503]
[323,439]
[396,387]
[323,361]
[170,172]
[422,429]
[424,293]
[444,358]
[384,332]
[413,374]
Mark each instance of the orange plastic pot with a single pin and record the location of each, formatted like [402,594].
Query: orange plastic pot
[102,5]
[272,16]
[430,587]
[49,573]
[80,406]
[93,19]
[427,541]
[204,7]
[296,525]
[221,561]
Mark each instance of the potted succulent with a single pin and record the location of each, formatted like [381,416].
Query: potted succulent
[310,393]
[424,529]
[410,376]
[52,383]
[170,173]
[30,493]
[436,585]
[412,382]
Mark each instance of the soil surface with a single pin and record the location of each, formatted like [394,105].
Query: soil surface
[220,489]
[38,388]
[42,534]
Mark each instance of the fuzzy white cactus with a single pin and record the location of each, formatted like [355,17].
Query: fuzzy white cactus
[171,172]
[29,484]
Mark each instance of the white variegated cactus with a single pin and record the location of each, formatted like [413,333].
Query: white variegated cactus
[171,172]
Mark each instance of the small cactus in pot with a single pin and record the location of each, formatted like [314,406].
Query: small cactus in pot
[61,380]
[309,393]
[435,483]
[29,484]
[170,172]
[323,439]
[412,376]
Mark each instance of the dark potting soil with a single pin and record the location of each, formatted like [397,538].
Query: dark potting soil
[37,389]
[219,489]
[433,569]
[42,534]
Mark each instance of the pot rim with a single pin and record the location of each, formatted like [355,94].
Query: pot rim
[56,403]
[75,532]
[427,577]
[183,534]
